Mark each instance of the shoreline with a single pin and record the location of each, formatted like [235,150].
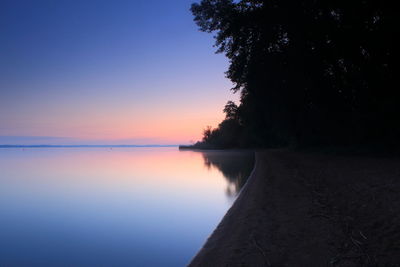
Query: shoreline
[303,209]
[214,241]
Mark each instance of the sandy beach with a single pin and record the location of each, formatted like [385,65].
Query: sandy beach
[311,209]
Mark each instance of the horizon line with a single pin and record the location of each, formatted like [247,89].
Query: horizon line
[77,146]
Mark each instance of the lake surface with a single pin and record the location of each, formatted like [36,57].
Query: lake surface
[113,206]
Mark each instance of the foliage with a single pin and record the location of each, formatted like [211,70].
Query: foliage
[308,71]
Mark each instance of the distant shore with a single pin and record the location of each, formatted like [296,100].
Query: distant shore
[311,209]
[83,146]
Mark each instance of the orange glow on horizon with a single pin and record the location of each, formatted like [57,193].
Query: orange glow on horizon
[172,127]
[161,121]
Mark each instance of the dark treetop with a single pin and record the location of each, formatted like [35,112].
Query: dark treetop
[309,72]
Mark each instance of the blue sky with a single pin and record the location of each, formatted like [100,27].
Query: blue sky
[108,70]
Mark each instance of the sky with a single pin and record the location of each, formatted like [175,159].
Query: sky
[90,71]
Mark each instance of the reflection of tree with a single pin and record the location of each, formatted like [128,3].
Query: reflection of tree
[235,166]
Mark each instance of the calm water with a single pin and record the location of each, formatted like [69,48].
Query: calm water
[113,207]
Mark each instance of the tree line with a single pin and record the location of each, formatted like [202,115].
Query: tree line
[309,72]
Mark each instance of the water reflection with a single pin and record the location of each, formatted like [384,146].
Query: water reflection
[235,166]
[119,207]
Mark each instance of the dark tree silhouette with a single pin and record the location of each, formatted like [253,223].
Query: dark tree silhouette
[309,72]
[231,111]
[207,133]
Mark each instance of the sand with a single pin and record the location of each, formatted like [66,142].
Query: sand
[311,209]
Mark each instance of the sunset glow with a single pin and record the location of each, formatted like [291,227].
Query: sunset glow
[70,73]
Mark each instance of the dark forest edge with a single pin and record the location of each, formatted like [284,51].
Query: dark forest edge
[309,73]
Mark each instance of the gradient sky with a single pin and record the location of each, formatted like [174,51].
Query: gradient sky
[137,71]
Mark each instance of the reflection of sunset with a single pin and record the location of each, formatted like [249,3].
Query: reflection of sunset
[97,198]
[108,166]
